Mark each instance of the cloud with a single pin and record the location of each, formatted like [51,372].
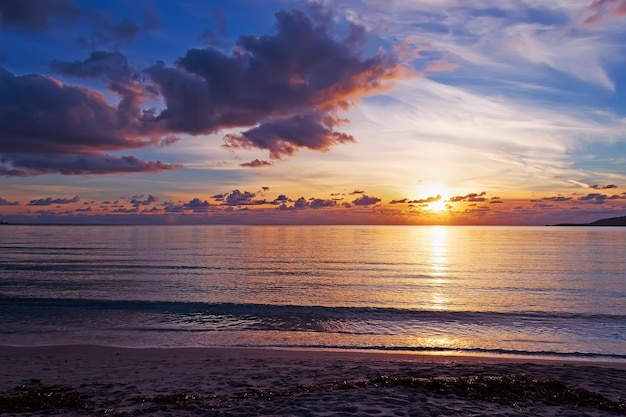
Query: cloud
[366,201]
[558,199]
[282,199]
[300,203]
[49,127]
[473,197]
[197,206]
[96,164]
[289,85]
[114,70]
[5,202]
[139,200]
[35,15]
[238,198]
[595,198]
[320,203]
[426,200]
[50,201]
[605,9]
[606,187]
[505,40]
[286,137]
[403,201]
[256,164]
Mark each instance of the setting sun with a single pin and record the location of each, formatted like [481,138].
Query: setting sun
[434,197]
[438,205]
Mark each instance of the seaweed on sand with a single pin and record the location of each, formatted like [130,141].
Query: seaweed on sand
[35,396]
[511,390]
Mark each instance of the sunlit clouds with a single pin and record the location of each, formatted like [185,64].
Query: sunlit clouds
[314,112]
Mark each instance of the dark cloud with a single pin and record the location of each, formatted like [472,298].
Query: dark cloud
[197,206]
[39,114]
[97,164]
[558,199]
[426,200]
[35,15]
[595,198]
[289,85]
[139,200]
[50,201]
[300,203]
[120,78]
[100,64]
[357,192]
[473,197]
[282,199]
[403,201]
[606,187]
[286,137]
[319,203]
[170,207]
[285,88]
[48,127]
[4,202]
[256,164]
[238,198]
[366,201]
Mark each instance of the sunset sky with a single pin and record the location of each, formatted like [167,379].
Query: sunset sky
[290,112]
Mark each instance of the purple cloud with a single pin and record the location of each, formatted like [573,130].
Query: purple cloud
[426,200]
[289,85]
[606,187]
[366,201]
[286,137]
[47,127]
[473,197]
[319,203]
[256,164]
[50,201]
[4,202]
[138,200]
[557,199]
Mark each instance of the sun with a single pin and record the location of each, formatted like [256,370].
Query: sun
[431,192]
[438,205]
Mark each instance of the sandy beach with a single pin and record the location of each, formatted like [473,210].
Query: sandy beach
[93,380]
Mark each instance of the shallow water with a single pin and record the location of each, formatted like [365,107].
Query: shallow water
[494,290]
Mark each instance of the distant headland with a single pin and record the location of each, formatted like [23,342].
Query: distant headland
[612,221]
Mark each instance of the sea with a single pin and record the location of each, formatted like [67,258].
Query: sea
[495,291]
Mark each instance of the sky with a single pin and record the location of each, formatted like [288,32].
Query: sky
[490,112]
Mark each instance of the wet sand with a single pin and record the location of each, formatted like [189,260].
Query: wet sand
[110,381]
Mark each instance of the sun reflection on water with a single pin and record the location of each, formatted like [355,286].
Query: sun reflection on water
[438,298]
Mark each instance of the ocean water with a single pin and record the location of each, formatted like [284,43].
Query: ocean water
[472,290]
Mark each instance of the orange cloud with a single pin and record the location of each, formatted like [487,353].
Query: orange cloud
[605,9]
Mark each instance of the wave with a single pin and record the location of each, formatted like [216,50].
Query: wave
[304,311]
[329,327]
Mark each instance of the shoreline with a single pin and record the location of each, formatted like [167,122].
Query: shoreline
[184,381]
[616,361]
